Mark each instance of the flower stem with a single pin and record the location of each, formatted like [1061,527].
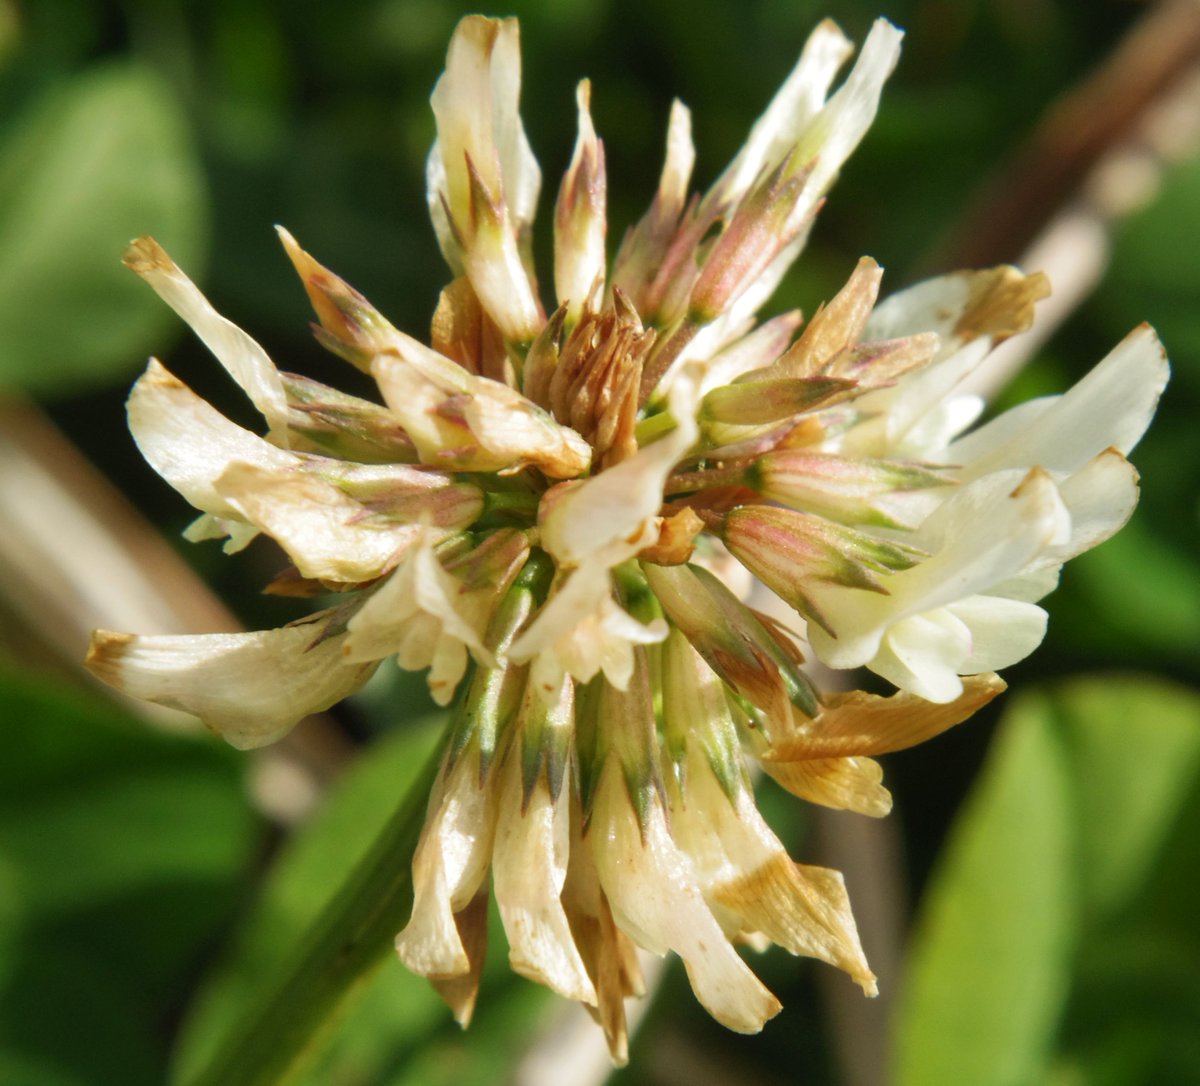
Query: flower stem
[273,1043]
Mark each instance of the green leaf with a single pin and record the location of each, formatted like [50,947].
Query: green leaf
[989,966]
[1134,748]
[375,805]
[103,158]
[1057,942]
[121,854]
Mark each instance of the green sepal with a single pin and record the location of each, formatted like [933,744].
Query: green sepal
[344,426]
[756,403]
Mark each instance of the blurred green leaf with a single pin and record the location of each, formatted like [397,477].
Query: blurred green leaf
[397,1032]
[304,880]
[120,854]
[989,965]
[1029,926]
[103,158]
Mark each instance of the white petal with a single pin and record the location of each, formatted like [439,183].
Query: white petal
[836,131]
[1100,497]
[1003,631]
[245,360]
[981,537]
[415,615]
[1110,407]
[189,443]
[923,654]
[250,688]
[582,631]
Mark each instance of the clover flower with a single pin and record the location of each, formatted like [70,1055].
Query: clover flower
[544,510]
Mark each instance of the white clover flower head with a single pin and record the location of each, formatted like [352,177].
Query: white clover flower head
[543,508]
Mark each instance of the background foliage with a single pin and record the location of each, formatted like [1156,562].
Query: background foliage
[1053,934]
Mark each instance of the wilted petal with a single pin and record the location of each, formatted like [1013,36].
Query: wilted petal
[449,866]
[249,688]
[328,535]
[245,360]
[472,423]
[460,992]
[857,723]
[607,951]
[655,899]
[752,885]
[529,867]
[843,784]
[190,444]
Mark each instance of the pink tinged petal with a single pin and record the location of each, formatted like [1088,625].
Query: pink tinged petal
[529,868]
[795,104]
[190,444]
[579,219]
[449,867]
[1110,407]
[836,130]
[497,272]
[641,255]
[249,688]
[328,535]
[245,360]
[987,535]
[752,885]
[655,900]
[468,422]
[757,350]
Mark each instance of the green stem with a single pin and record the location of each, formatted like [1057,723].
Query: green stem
[345,944]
